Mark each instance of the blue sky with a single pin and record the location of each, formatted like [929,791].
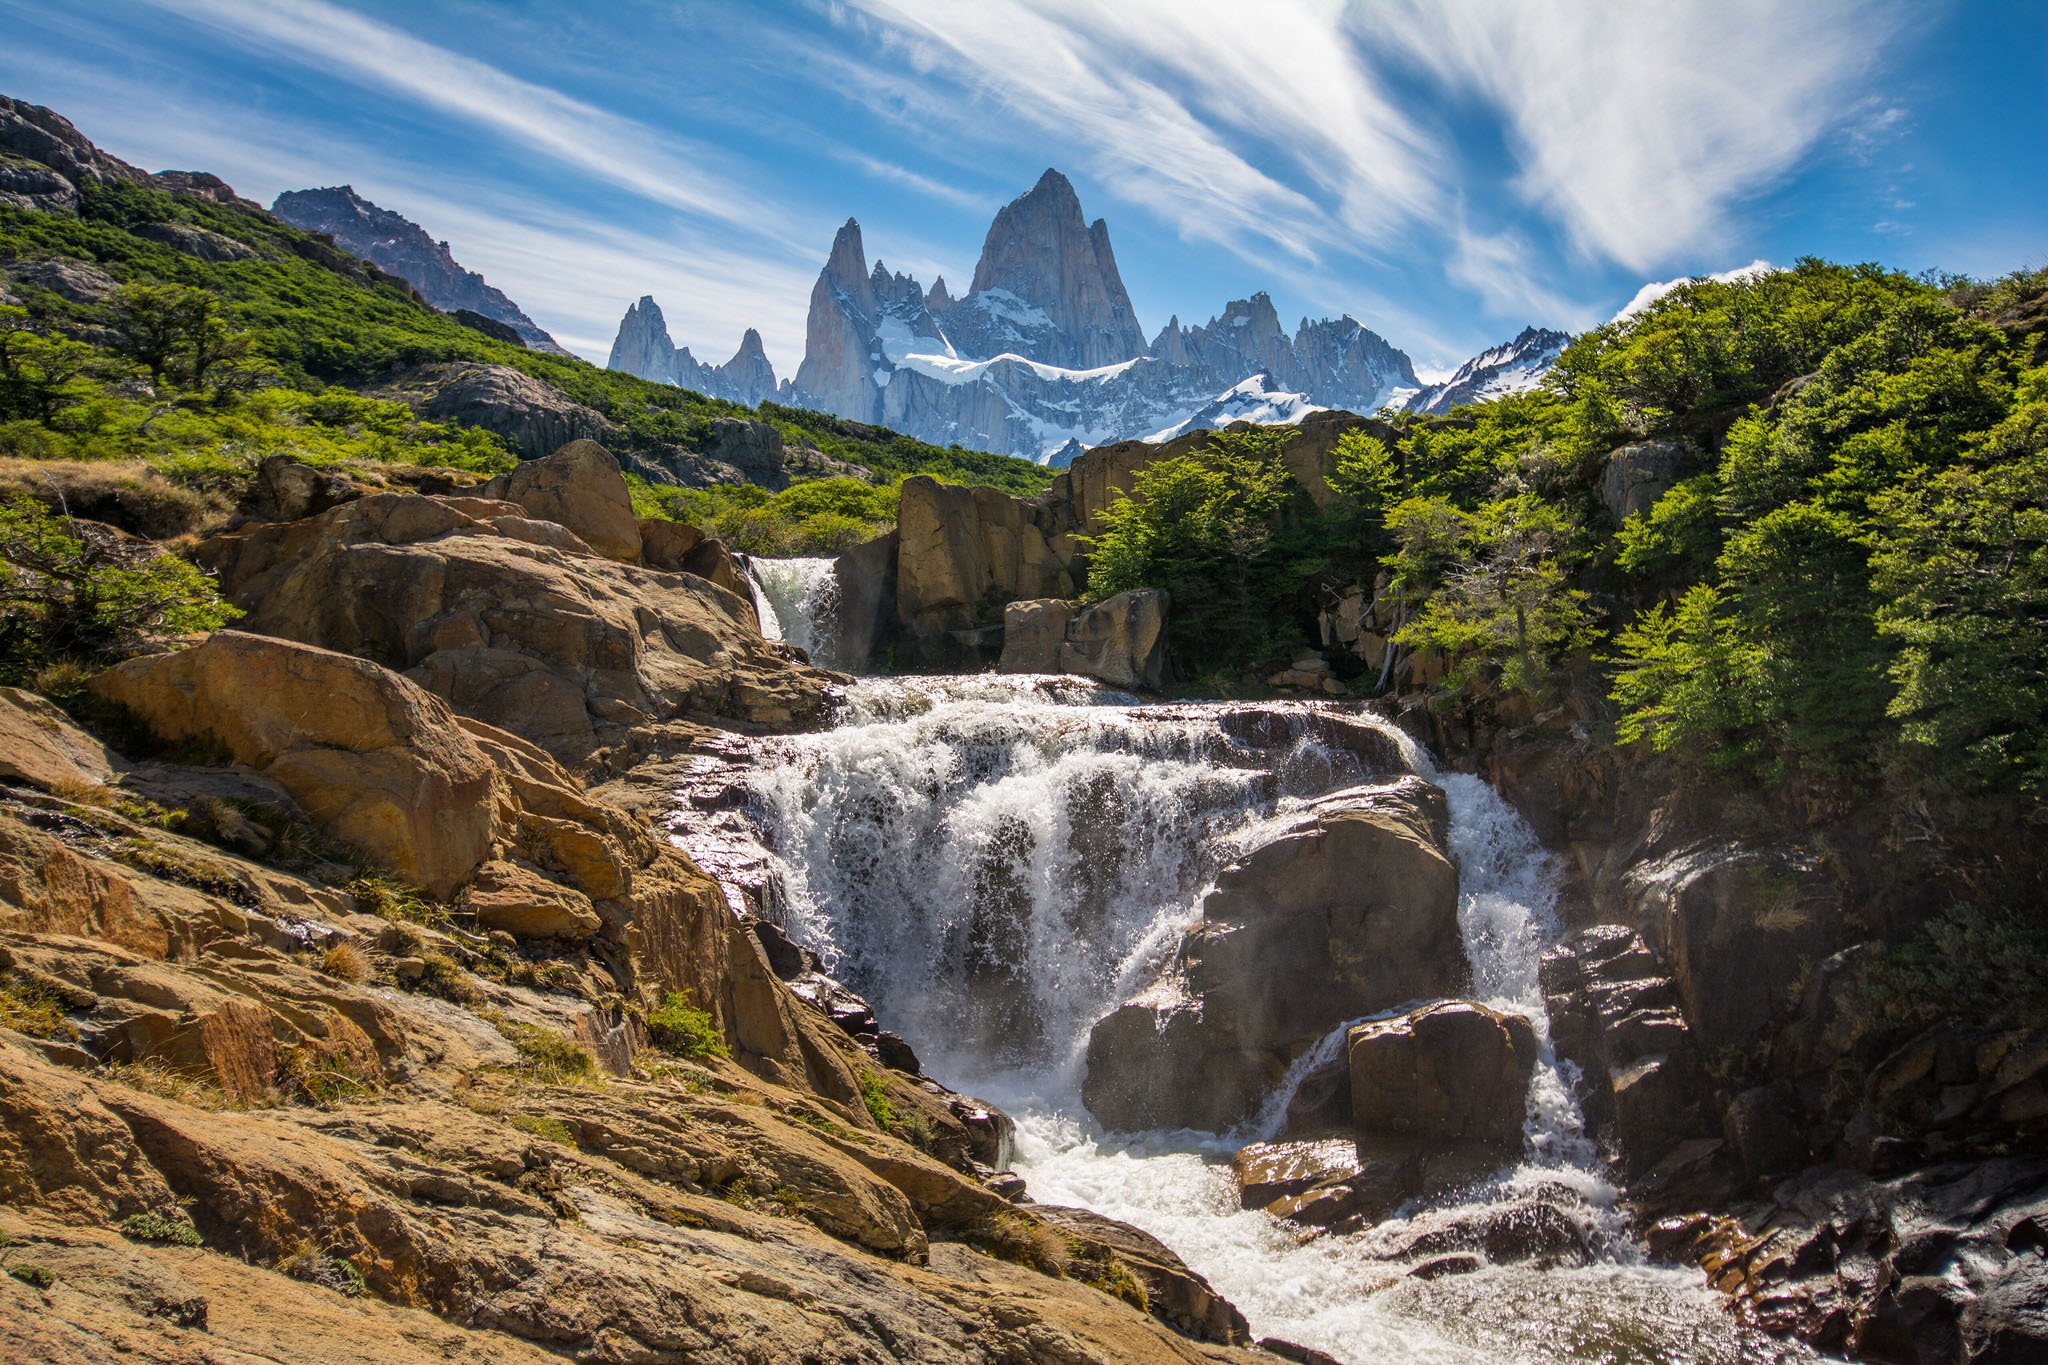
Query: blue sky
[1443,170]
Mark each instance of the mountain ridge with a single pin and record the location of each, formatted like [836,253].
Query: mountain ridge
[395,243]
[1044,353]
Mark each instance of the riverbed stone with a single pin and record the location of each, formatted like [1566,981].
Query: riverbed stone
[1454,1070]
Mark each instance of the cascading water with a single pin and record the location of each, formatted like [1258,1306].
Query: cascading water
[997,862]
[798,601]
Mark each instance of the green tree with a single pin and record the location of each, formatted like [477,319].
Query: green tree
[1961,566]
[71,590]
[1219,528]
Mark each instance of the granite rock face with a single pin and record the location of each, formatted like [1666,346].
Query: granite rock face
[1044,356]
[401,246]
[644,347]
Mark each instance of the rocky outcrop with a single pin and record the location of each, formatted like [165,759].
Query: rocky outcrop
[963,553]
[513,621]
[533,418]
[579,487]
[866,575]
[399,245]
[403,1141]
[51,159]
[1120,640]
[755,449]
[1636,475]
[1615,1015]
[1353,901]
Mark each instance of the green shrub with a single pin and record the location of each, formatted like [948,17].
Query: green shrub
[874,1093]
[67,590]
[681,1028]
[173,1226]
[547,1056]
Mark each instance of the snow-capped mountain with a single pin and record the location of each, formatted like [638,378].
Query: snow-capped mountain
[1514,367]
[1043,355]
[643,347]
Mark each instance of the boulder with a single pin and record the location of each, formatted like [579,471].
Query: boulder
[377,761]
[666,544]
[1452,1071]
[963,552]
[574,652]
[1351,900]
[1033,634]
[531,417]
[580,487]
[711,561]
[1636,475]
[286,490]
[1120,640]
[40,747]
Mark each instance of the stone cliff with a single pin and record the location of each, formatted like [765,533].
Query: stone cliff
[395,243]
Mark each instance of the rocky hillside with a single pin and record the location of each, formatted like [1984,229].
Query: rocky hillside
[1043,356]
[338,1020]
[395,243]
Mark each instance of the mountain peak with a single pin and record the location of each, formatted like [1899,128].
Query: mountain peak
[395,243]
[1044,255]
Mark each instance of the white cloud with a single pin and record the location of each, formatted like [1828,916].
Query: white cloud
[573,273]
[1657,289]
[1500,269]
[659,167]
[1639,127]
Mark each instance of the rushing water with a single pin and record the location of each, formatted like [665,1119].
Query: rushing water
[997,862]
[798,601]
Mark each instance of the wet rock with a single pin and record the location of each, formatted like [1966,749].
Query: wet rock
[1550,1226]
[1614,1014]
[867,600]
[1453,1070]
[1352,900]
[1266,1171]
[1457,1263]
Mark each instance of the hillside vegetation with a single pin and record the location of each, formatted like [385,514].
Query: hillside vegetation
[1850,582]
[304,327]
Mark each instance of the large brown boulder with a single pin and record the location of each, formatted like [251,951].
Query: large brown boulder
[513,621]
[580,487]
[1351,901]
[532,417]
[376,760]
[1120,640]
[962,553]
[1453,1071]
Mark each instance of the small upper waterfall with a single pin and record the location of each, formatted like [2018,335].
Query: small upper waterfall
[798,601]
[997,862]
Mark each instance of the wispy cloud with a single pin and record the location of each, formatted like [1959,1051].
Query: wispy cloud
[923,184]
[1501,269]
[574,273]
[1640,127]
[659,167]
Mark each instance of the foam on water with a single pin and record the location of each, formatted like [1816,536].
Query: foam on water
[997,862]
[798,601]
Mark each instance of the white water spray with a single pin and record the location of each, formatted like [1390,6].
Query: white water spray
[798,601]
[996,862]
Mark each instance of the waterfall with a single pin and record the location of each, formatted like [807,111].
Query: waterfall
[798,601]
[996,862]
